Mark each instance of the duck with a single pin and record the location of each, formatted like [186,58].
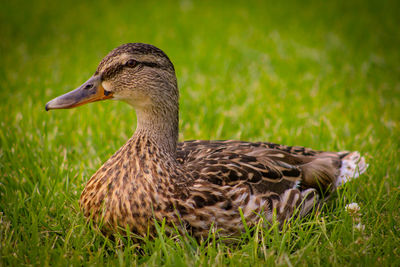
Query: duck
[194,185]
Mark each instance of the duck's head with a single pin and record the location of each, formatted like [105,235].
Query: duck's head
[140,74]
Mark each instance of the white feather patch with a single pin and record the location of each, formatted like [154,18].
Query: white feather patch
[353,165]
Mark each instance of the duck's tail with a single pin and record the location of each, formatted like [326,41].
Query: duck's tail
[353,165]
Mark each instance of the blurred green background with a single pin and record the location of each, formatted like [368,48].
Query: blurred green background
[314,73]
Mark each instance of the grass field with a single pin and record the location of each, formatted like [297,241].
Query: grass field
[322,75]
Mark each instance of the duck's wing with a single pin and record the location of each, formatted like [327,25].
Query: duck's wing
[255,178]
[264,167]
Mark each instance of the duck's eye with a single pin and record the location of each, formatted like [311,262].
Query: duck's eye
[131,63]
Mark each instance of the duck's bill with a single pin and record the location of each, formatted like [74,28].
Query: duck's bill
[90,91]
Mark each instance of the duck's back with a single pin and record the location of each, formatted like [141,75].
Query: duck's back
[264,166]
[256,178]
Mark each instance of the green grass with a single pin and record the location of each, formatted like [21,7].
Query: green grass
[322,75]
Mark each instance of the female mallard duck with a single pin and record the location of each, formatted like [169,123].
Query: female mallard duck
[194,184]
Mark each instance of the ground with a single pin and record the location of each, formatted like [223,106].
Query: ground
[319,74]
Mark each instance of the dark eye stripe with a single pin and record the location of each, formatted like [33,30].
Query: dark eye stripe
[115,69]
[150,64]
[133,63]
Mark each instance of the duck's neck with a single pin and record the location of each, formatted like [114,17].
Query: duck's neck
[161,125]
